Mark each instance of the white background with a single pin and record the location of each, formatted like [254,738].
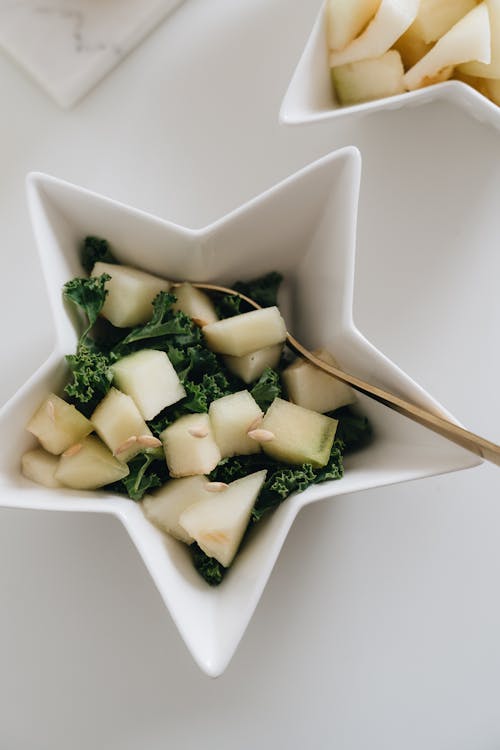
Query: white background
[380,627]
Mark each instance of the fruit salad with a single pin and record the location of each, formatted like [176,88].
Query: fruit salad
[190,405]
[380,48]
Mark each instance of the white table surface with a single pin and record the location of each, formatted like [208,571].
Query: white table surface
[380,627]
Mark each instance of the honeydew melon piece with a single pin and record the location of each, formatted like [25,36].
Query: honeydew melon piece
[40,467]
[390,22]
[366,80]
[249,367]
[190,446]
[469,39]
[436,17]
[314,389]
[150,378]
[411,47]
[246,333]
[195,303]
[164,508]
[345,19]
[117,420]
[130,294]
[89,465]
[231,418]
[491,69]
[57,424]
[219,522]
[299,435]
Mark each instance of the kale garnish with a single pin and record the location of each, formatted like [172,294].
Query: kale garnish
[90,295]
[208,567]
[95,249]
[91,378]
[267,388]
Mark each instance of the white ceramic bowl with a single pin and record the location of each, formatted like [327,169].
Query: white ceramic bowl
[305,227]
[310,98]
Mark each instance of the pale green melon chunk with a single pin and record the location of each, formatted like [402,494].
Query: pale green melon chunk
[130,294]
[195,303]
[469,39]
[314,389]
[40,467]
[150,378]
[297,435]
[249,367]
[345,19]
[370,79]
[117,421]
[190,446]
[89,465]
[57,424]
[164,508]
[219,522]
[391,20]
[491,69]
[436,17]
[246,333]
[232,417]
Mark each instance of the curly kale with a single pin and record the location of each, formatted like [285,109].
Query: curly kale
[89,295]
[95,249]
[267,388]
[91,378]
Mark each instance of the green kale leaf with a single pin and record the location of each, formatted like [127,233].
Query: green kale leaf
[91,378]
[95,249]
[263,290]
[354,431]
[147,471]
[267,388]
[229,305]
[208,567]
[89,294]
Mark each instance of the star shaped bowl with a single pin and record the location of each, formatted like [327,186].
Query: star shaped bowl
[304,227]
[309,97]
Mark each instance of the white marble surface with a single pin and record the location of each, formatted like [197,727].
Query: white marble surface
[69,45]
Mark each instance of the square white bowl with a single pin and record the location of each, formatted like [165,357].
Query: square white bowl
[304,227]
[310,97]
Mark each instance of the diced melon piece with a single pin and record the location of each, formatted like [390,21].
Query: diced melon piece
[246,333]
[89,465]
[40,467]
[130,294]
[299,435]
[57,424]
[345,19]
[117,421]
[231,418]
[195,303]
[314,389]
[190,446]
[411,47]
[150,378]
[366,80]
[219,522]
[436,17]
[166,505]
[249,367]
[469,39]
[491,69]
[391,21]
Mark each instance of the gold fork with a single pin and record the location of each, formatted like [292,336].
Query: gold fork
[474,443]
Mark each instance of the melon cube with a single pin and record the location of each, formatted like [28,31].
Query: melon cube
[298,435]
[57,424]
[345,19]
[231,418]
[246,333]
[219,522]
[314,389]
[195,303]
[164,508]
[150,378]
[491,69]
[117,420]
[369,79]
[130,294]
[436,17]
[40,467]
[190,446]
[249,367]
[89,465]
